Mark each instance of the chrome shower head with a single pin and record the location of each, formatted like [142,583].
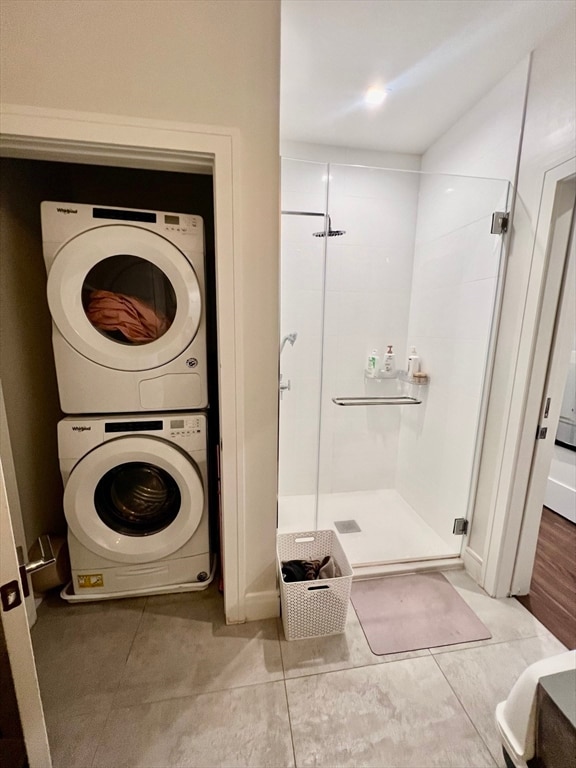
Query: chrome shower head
[330,233]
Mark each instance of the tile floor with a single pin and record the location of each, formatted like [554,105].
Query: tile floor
[162,681]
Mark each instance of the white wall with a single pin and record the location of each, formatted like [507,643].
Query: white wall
[454,288]
[202,62]
[485,140]
[368,275]
[483,143]
[301,291]
[549,140]
[327,153]
[368,287]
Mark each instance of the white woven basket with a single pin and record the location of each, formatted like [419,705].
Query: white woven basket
[313,608]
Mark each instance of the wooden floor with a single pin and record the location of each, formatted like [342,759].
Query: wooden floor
[552,597]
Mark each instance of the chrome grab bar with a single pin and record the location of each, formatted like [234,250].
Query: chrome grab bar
[400,400]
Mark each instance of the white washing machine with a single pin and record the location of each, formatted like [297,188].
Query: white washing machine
[136,502]
[126,293]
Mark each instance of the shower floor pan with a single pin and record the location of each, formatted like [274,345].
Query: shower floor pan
[390,530]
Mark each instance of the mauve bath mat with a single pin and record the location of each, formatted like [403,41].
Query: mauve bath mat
[407,613]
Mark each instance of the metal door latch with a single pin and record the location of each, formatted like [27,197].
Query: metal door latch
[46,558]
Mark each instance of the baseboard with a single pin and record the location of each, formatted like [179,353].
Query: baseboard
[262,605]
[473,565]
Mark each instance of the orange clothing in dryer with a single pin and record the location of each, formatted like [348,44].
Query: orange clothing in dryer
[138,322]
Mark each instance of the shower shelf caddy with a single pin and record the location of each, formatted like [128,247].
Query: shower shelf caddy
[402,376]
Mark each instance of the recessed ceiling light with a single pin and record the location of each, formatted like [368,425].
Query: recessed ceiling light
[374,96]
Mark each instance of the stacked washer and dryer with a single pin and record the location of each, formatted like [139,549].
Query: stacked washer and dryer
[126,291]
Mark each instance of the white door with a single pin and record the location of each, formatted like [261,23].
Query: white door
[13,498]
[19,643]
[554,344]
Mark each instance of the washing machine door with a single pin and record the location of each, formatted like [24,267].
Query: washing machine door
[134,499]
[124,297]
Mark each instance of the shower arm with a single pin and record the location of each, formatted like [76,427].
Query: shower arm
[303,213]
[308,213]
[328,232]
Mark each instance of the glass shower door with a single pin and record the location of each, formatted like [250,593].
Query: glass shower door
[416,266]
[302,260]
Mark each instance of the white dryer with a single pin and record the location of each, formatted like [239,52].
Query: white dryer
[126,293]
[136,502]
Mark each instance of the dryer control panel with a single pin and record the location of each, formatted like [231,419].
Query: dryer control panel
[63,221]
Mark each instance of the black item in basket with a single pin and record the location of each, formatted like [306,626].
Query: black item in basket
[309,570]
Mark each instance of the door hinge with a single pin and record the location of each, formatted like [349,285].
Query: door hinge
[460,526]
[541,433]
[499,222]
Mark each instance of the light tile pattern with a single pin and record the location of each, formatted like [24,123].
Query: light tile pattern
[184,647]
[161,682]
[369,717]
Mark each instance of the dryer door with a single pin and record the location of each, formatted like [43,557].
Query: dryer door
[134,499]
[124,297]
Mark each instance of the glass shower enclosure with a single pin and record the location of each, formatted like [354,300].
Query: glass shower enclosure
[377,266]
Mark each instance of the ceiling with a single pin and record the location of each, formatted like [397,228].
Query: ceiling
[436,58]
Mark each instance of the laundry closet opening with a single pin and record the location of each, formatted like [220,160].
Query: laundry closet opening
[27,368]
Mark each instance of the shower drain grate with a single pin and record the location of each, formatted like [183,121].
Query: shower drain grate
[347,526]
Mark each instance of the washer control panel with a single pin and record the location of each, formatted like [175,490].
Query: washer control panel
[186,426]
[77,435]
[178,222]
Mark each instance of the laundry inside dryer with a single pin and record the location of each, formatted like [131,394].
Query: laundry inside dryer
[128,299]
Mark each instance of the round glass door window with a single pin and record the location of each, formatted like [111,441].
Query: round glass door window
[137,499]
[128,299]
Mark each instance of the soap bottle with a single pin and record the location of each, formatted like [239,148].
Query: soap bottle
[413,363]
[373,364]
[389,366]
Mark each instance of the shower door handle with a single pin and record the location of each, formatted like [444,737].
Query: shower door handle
[400,400]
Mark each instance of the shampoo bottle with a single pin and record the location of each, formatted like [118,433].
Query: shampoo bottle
[372,364]
[389,367]
[413,363]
